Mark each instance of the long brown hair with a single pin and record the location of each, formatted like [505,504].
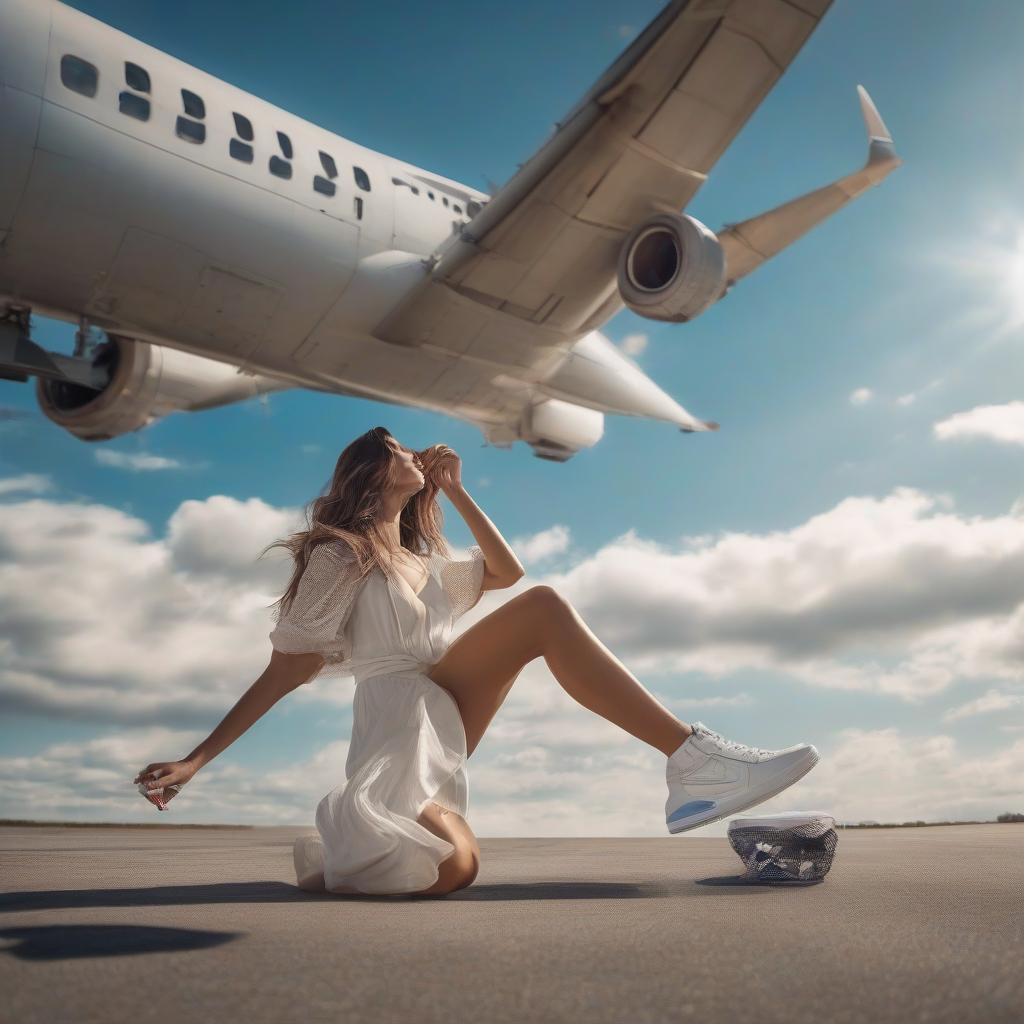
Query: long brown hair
[350,510]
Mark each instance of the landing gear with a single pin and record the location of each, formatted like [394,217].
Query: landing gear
[21,357]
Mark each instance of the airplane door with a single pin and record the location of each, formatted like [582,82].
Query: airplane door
[416,227]
[372,206]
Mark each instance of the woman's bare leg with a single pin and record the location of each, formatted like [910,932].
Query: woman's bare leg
[460,868]
[481,665]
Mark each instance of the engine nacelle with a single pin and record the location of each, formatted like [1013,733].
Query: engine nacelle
[671,267]
[146,382]
[557,430]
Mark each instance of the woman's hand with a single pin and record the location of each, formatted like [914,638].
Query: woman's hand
[442,467]
[160,775]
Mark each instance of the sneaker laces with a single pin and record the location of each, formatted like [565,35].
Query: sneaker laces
[743,748]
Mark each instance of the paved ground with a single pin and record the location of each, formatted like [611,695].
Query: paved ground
[154,925]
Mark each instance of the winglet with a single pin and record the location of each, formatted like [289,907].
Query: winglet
[750,243]
[872,118]
[882,156]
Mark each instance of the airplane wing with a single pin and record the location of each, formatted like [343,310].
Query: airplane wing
[535,269]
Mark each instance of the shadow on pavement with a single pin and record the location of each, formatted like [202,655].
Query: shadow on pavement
[66,942]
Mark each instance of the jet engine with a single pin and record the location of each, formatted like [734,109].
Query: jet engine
[143,382]
[671,267]
[557,430]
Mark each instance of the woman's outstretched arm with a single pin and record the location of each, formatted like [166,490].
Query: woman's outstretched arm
[284,673]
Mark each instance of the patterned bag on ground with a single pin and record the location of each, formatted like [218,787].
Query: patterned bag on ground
[792,846]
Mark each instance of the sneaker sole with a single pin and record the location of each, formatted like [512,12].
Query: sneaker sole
[750,799]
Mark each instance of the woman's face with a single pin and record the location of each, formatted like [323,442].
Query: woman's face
[409,475]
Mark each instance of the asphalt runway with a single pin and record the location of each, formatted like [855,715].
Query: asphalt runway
[153,925]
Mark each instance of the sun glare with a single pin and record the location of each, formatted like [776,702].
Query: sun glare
[995,264]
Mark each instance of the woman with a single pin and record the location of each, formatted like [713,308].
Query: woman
[374,595]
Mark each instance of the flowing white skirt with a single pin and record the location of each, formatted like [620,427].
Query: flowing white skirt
[408,748]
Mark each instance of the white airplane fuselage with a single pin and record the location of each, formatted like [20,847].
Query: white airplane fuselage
[230,247]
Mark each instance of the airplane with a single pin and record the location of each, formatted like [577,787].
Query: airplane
[212,247]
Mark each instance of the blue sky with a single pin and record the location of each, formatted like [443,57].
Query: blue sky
[839,564]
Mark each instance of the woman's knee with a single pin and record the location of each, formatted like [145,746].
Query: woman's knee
[465,866]
[549,608]
[456,871]
[461,867]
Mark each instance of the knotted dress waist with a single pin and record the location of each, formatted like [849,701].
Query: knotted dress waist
[397,663]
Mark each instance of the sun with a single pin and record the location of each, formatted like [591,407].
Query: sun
[994,264]
[1007,266]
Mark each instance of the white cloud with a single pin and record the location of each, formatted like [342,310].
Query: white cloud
[861,396]
[896,595]
[1004,423]
[553,541]
[883,775]
[684,704]
[634,344]
[91,780]
[566,772]
[137,462]
[994,700]
[99,620]
[912,396]
[34,483]
[891,595]
[615,786]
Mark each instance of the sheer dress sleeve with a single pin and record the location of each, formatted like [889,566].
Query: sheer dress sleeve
[317,617]
[462,580]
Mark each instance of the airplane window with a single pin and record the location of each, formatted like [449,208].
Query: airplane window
[431,194]
[79,75]
[444,199]
[322,184]
[362,180]
[241,151]
[358,204]
[330,167]
[239,148]
[194,105]
[282,168]
[243,127]
[135,77]
[133,106]
[473,208]
[191,131]
[415,190]
[456,208]
[128,102]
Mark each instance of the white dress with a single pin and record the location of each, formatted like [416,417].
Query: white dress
[408,744]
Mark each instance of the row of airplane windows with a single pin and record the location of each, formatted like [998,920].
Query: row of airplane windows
[82,77]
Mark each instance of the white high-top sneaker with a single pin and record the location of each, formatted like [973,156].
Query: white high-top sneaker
[710,777]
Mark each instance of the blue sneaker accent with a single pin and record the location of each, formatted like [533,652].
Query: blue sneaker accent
[691,808]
